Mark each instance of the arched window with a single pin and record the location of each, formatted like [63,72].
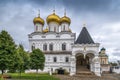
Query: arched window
[48,28]
[54,29]
[36,27]
[66,59]
[52,69]
[103,62]
[51,47]
[63,46]
[33,46]
[64,28]
[45,47]
[54,59]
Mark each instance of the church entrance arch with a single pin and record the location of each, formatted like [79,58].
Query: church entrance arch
[83,61]
[90,55]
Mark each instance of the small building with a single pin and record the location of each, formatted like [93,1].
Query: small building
[105,66]
[116,69]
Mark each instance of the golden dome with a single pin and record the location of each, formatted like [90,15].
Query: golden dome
[45,30]
[53,17]
[38,20]
[65,19]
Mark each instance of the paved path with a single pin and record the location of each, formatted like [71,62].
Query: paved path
[89,77]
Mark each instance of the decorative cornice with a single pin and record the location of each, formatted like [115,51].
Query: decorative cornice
[57,52]
[86,45]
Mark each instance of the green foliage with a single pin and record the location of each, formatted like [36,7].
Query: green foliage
[31,76]
[7,51]
[37,59]
[24,59]
[113,63]
[21,60]
[17,61]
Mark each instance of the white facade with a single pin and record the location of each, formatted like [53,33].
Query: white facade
[57,39]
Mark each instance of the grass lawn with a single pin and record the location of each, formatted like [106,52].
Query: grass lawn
[31,76]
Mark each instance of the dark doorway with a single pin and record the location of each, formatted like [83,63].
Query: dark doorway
[61,71]
[81,61]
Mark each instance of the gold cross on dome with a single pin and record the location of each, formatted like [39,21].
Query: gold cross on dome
[65,13]
[54,11]
[38,13]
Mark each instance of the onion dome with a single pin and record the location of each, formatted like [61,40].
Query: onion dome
[53,17]
[103,49]
[65,19]
[38,20]
[45,30]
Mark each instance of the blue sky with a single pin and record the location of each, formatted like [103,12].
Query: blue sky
[102,19]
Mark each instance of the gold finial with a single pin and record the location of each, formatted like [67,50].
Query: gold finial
[38,13]
[65,12]
[54,10]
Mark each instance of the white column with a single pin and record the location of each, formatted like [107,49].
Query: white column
[97,66]
[73,66]
[50,71]
[91,65]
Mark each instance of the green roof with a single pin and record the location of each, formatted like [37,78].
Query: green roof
[103,49]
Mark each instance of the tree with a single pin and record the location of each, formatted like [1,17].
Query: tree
[7,51]
[24,59]
[18,61]
[113,63]
[37,60]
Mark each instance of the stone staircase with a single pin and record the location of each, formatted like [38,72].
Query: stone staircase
[86,77]
[83,73]
[82,70]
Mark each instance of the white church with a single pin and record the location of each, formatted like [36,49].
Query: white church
[64,53]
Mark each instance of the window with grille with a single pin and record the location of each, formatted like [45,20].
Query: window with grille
[66,59]
[45,47]
[51,47]
[33,46]
[64,46]
[55,59]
